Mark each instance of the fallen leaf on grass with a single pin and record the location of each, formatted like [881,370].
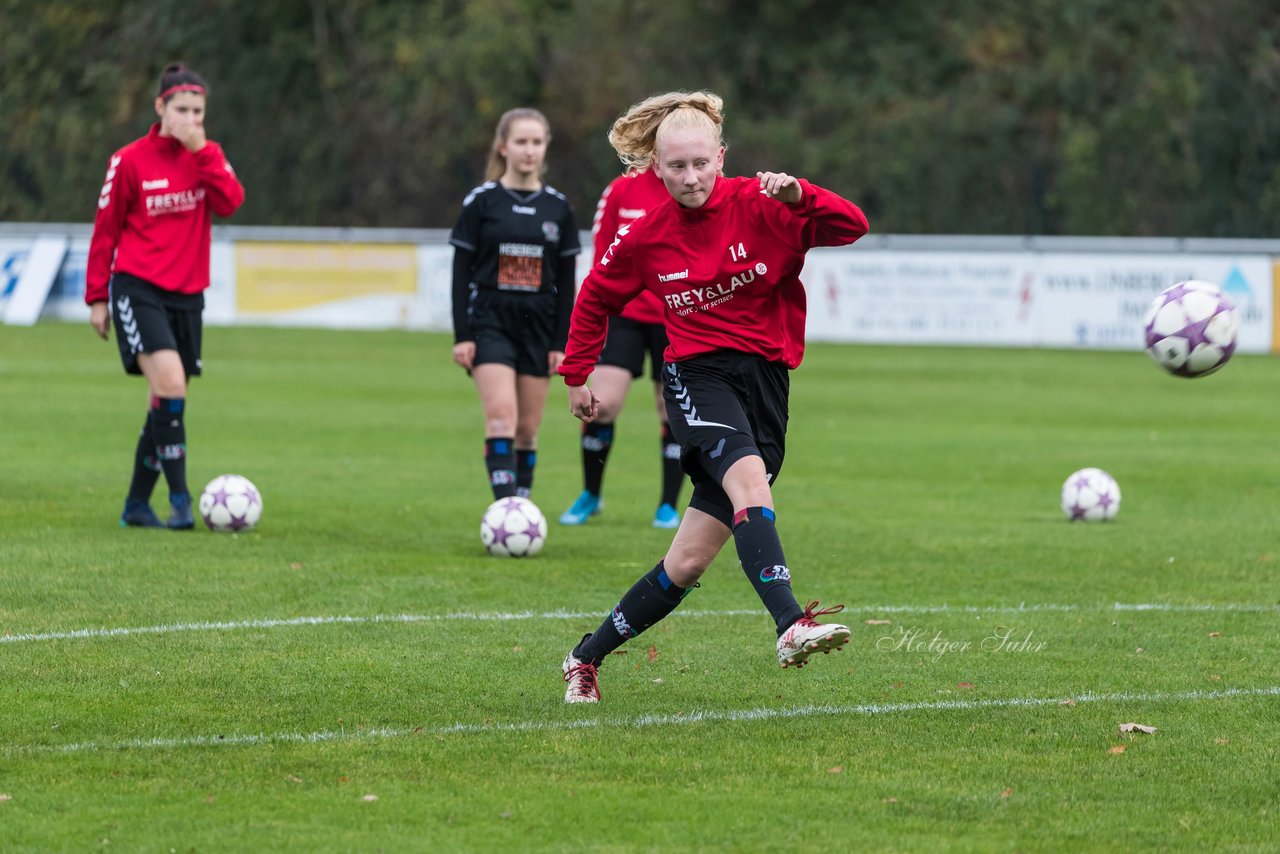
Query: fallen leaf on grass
[504,815]
[1213,677]
[964,685]
[295,565]
[1222,741]
[879,622]
[292,779]
[652,653]
[1067,702]
[1137,728]
[369,797]
[836,769]
[1007,793]
[208,799]
[1116,748]
[517,649]
[5,797]
[682,669]
[888,800]
[1215,634]
[1139,650]
[658,681]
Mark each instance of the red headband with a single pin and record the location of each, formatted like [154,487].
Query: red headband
[183,87]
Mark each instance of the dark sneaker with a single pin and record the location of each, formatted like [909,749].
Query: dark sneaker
[181,517]
[807,636]
[138,514]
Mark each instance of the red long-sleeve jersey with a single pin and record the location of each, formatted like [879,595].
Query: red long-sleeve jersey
[728,273]
[154,211]
[624,201]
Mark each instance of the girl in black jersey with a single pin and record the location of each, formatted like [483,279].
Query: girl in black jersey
[513,288]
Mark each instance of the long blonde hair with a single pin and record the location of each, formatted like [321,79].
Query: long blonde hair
[497,165]
[635,134]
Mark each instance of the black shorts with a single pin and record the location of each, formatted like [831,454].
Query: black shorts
[148,318]
[628,342]
[513,329]
[724,406]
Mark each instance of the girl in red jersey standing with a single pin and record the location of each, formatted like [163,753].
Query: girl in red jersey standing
[724,256]
[634,334]
[147,272]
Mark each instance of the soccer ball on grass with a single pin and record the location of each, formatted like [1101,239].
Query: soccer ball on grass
[1191,329]
[230,503]
[513,527]
[1090,495]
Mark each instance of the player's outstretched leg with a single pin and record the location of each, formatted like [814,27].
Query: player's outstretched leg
[650,599]
[807,636]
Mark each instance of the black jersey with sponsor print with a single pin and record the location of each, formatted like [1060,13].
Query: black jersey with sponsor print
[519,242]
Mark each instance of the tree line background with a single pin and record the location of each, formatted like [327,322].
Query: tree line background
[1090,117]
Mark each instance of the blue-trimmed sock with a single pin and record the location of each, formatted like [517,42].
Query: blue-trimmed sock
[500,460]
[526,460]
[146,468]
[169,431]
[597,439]
[650,599]
[760,553]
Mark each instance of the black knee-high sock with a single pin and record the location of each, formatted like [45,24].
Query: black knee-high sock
[597,439]
[170,434]
[526,459]
[672,472]
[146,467]
[760,552]
[500,460]
[648,601]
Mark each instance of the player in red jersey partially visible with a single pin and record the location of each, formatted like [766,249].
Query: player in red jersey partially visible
[724,255]
[148,269]
[634,334]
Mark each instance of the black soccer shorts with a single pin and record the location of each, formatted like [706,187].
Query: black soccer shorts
[629,341]
[722,407]
[148,318]
[513,329]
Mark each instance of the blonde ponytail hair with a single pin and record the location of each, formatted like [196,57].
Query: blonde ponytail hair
[635,135]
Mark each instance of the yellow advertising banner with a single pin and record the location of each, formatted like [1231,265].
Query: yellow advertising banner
[284,277]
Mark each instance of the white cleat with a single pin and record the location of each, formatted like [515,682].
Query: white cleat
[806,636]
[583,680]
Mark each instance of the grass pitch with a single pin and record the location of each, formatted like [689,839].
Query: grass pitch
[357,675]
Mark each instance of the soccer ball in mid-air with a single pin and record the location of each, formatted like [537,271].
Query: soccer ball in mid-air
[1090,495]
[1191,329]
[513,527]
[230,503]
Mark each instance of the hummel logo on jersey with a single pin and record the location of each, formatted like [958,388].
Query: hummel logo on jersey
[522,209]
[157,184]
[775,573]
[630,213]
[671,277]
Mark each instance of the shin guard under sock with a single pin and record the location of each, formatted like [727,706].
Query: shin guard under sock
[525,462]
[500,460]
[650,599]
[597,439]
[672,471]
[146,468]
[760,552]
[169,432]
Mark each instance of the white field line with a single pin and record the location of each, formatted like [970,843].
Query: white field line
[695,717]
[500,616]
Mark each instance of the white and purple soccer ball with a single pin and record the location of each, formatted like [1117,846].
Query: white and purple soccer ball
[1191,329]
[230,503]
[513,527]
[1090,495]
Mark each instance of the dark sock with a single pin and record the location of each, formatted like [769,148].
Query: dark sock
[760,552]
[672,472]
[170,435]
[500,460]
[525,461]
[648,601]
[597,439]
[146,468]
